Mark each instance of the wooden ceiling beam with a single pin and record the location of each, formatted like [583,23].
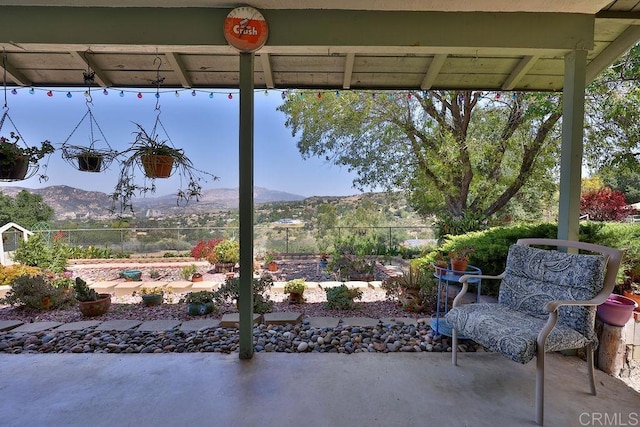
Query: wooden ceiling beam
[266,70]
[178,68]
[13,73]
[432,72]
[348,70]
[619,46]
[99,76]
[519,71]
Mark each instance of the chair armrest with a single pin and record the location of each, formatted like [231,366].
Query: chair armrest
[467,277]
[597,300]
[464,279]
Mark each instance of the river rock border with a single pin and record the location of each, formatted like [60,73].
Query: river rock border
[298,338]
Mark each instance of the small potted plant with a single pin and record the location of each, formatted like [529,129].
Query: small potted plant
[459,258]
[17,161]
[90,302]
[440,264]
[269,262]
[152,296]
[88,159]
[188,272]
[408,287]
[295,288]
[630,285]
[225,255]
[324,260]
[156,158]
[199,303]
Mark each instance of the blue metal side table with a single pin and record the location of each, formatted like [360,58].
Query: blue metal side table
[438,323]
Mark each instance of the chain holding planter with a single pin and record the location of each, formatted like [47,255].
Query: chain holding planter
[156,157]
[18,161]
[90,158]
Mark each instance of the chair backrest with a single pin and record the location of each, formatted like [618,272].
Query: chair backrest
[533,277]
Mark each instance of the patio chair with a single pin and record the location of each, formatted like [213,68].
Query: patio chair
[547,302]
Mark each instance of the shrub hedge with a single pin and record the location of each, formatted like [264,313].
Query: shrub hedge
[492,245]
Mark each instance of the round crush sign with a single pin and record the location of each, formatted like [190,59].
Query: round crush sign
[246,29]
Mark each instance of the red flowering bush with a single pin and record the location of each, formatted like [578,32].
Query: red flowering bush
[204,248]
[604,204]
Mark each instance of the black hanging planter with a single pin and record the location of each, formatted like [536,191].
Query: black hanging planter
[88,158]
[90,162]
[14,169]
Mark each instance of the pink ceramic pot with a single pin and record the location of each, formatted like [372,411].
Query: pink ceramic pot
[616,310]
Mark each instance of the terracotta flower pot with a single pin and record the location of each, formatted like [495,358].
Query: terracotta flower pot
[459,266]
[197,277]
[95,308]
[273,266]
[440,269]
[296,298]
[634,297]
[157,166]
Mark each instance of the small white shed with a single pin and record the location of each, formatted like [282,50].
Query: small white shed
[25,235]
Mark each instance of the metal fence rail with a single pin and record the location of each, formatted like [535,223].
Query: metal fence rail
[279,239]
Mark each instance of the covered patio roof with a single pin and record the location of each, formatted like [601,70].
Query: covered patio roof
[349,44]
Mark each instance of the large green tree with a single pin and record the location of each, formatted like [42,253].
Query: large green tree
[25,209]
[456,153]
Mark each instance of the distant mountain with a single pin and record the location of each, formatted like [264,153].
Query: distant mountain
[73,203]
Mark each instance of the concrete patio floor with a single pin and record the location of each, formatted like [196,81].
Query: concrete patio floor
[313,389]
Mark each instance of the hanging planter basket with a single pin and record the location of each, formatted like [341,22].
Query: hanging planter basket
[88,158]
[19,162]
[90,163]
[13,169]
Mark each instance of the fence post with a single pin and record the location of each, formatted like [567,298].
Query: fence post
[287,239]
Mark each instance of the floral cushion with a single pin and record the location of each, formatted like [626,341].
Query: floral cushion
[532,278]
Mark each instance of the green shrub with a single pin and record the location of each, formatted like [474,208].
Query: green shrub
[227,251]
[295,285]
[89,252]
[38,292]
[491,248]
[36,252]
[229,292]
[492,245]
[341,297]
[8,274]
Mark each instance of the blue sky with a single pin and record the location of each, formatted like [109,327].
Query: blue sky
[207,129]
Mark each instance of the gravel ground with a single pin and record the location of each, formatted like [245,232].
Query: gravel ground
[373,303]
